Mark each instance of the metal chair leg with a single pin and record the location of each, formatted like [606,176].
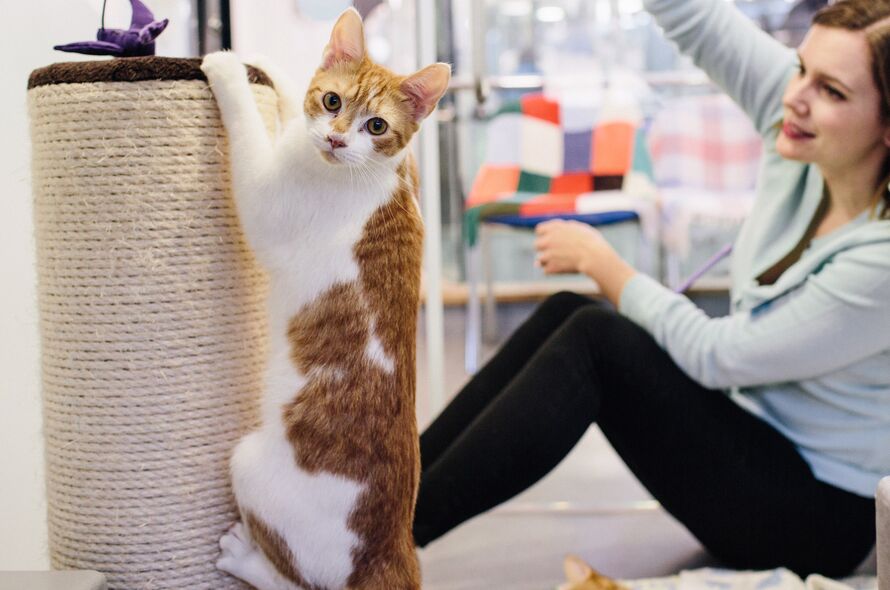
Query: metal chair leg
[673,270]
[473,337]
[489,316]
[648,258]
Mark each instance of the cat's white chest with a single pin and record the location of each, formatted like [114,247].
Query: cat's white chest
[321,257]
[323,212]
[321,251]
[325,219]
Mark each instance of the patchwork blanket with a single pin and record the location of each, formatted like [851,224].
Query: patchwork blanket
[546,159]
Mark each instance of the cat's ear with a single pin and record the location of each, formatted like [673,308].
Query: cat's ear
[347,43]
[576,569]
[426,87]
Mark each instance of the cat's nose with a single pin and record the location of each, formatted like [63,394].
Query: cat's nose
[336,142]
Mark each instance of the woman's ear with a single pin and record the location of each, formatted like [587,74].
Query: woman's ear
[426,87]
[347,44]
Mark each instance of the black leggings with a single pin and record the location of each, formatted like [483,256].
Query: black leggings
[737,484]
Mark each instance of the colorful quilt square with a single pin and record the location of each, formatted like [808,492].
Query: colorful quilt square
[513,106]
[541,147]
[549,204]
[493,182]
[578,182]
[503,139]
[605,182]
[540,107]
[612,148]
[642,161]
[533,183]
[577,151]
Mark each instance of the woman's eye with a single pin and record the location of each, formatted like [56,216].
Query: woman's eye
[834,93]
[331,101]
[377,126]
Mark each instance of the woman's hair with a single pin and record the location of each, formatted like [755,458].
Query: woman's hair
[873,17]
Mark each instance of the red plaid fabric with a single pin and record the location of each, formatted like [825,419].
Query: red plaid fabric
[705,142]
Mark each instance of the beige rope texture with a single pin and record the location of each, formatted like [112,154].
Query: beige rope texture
[152,327]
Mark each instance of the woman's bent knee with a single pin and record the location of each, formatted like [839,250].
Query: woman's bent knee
[607,333]
[564,304]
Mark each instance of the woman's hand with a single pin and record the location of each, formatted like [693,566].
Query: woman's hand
[572,246]
[569,246]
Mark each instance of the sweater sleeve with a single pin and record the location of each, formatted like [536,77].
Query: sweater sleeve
[750,66]
[838,316]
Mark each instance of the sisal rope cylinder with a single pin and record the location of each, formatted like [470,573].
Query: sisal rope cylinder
[152,318]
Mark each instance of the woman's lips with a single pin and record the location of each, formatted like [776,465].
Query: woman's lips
[794,132]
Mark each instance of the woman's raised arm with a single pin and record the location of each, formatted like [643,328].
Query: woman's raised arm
[750,66]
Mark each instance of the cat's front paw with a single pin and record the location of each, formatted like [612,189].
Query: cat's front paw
[241,558]
[236,548]
[222,65]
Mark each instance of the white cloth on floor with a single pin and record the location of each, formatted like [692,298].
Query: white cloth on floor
[777,579]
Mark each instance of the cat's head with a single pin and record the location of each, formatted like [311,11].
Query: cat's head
[581,576]
[359,112]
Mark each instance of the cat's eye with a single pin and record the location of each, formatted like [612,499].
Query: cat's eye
[377,126]
[331,101]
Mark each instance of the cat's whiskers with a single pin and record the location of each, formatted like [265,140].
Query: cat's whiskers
[377,179]
[403,183]
[372,178]
[353,158]
[351,175]
[369,175]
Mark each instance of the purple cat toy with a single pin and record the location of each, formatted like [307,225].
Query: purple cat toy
[138,40]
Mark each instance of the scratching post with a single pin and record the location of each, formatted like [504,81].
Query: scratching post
[151,318]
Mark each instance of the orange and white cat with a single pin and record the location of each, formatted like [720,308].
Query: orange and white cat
[326,487]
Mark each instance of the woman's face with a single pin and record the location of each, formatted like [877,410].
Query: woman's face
[832,106]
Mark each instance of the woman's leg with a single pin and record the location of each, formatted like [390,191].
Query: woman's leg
[486,384]
[512,424]
[738,485]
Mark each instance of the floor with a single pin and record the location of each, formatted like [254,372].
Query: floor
[610,520]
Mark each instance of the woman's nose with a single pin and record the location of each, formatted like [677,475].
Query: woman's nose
[795,98]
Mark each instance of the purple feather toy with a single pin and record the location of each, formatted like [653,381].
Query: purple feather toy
[138,40]
[711,263]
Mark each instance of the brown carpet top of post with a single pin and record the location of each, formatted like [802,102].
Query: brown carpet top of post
[129,69]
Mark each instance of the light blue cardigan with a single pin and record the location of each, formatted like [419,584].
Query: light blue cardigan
[810,354]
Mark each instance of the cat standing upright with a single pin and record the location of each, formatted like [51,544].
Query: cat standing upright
[326,487]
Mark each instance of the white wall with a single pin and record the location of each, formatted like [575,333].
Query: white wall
[32,28]
[294,41]
[280,33]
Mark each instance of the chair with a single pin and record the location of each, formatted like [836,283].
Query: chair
[705,154]
[547,160]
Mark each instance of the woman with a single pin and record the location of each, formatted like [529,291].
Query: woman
[764,432]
